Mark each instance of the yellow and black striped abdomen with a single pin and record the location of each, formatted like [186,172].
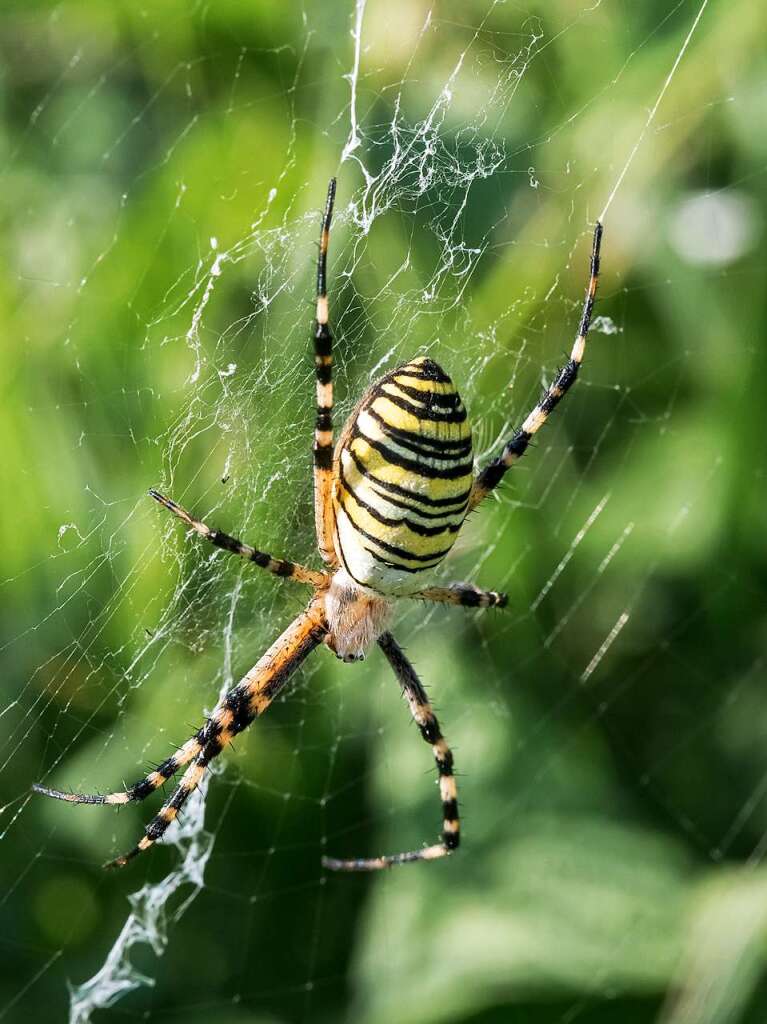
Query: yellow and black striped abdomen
[403,478]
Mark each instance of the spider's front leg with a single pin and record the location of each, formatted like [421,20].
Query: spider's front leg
[493,473]
[426,720]
[323,428]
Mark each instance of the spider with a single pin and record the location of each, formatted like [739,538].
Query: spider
[389,499]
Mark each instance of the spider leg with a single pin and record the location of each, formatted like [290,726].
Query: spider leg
[421,710]
[234,713]
[323,430]
[139,790]
[277,566]
[465,594]
[493,473]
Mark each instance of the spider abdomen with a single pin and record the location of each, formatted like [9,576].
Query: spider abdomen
[404,471]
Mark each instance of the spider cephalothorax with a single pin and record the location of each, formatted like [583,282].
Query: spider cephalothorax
[388,503]
[356,617]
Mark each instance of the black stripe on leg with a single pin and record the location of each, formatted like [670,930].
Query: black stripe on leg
[430,730]
[588,306]
[493,473]
[567,375]
[179,798]
[324,235]
[165,770]
[452,840]
[323,456]
[550,401]
[279,566]
[565,380]
[168,767]
[142,790]
[224,541]
[451,836]
[517,446]
[260,558]
[323,340]
[450,810]
[155,829]
[588,309]
[470,597]
[237,703]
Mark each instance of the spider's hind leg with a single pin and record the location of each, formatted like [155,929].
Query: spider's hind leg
[141,789]
[426,720]
[241,706]
[234,713]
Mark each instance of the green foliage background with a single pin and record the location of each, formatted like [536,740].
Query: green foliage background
[612,870]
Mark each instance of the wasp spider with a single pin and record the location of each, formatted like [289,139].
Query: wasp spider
[389,500]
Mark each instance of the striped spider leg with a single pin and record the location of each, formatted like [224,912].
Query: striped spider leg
[464,594]
[427,723]
[277,566]
[467,594]
[323,428]
[242,704]
[493,473]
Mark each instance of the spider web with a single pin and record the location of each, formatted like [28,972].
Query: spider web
[469,183]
